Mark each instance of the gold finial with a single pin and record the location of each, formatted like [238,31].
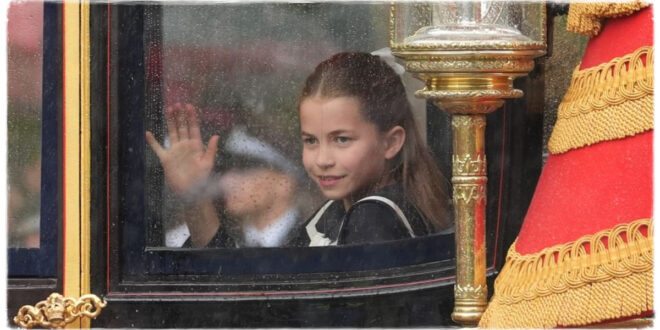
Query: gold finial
[57,311]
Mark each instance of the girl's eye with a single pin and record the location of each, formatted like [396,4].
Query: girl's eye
[342,139]
[309,140]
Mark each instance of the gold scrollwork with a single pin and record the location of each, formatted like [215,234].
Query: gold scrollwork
[477,122]
[473,45]
[467,165]
[469,292]
[474,95]
[57,311]
[468,107]
[443,56]
[463,65]
[467,193]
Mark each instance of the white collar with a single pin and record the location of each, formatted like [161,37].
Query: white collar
[274,234]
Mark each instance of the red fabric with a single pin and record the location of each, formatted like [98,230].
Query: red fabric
[619,37]
[586,190]
[593,188]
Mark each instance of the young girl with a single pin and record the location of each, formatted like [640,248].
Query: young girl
[360,145]
[363,149]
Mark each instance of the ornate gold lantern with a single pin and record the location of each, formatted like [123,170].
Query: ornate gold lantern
[467,54]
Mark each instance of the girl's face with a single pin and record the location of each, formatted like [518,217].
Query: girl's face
[342,152]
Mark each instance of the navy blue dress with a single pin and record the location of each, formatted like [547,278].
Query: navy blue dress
[385,215]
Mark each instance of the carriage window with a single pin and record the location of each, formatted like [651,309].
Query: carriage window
[32,143]
[223,131]
[24,52]
[217,169]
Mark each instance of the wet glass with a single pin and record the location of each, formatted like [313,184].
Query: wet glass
[24,84]
[239,68]
[567,50]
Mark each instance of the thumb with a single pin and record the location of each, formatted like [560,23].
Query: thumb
[153,143]
[211,148]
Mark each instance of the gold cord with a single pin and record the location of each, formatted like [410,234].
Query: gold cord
[603,276]
[607,102]
[586,18]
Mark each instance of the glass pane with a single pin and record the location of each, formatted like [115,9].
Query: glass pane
[240,69]
[567,51]
[24,77]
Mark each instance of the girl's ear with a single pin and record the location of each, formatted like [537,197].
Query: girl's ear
[394,140]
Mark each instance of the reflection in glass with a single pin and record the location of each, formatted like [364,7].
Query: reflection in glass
[24,52]
[241,67]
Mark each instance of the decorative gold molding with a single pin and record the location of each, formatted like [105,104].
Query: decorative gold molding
[85,151]
[57,311]
[467,193]
[77,154]
[470,292]
[469,164]
[458,64]
[477,122]
[608,274]
[468,45]
[474,95]
[463,107]
[607,102]
[470,303]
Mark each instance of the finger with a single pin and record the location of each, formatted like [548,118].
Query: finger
[211,149]
[182,124]
[170,114]
[153,143]
[193,124]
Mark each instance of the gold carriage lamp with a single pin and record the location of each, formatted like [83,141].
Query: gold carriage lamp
[467,54]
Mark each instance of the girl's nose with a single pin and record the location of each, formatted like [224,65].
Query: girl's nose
[324,157]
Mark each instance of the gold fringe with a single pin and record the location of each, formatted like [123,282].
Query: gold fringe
[565,285]
[586,18]
[611,101]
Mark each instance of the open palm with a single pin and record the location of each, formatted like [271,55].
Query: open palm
[186,162]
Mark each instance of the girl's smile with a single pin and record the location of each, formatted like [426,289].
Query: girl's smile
[342,152]
[328,181]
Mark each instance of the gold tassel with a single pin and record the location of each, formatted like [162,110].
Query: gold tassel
[593,303]
[611,101]
[604,276]
[586,18]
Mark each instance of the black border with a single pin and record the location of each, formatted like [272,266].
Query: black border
[42,262]
[33,274]
[420,295]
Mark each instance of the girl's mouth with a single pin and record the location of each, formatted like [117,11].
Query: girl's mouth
[328,181]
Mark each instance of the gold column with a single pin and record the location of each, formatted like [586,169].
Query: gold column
[469,183]
[469,79]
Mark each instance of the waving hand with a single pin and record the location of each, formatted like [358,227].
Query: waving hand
[186,162]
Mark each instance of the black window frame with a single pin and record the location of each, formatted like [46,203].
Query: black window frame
[41,262]
[514,135]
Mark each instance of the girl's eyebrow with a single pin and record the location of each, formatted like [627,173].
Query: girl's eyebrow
[335,132]
[339,132]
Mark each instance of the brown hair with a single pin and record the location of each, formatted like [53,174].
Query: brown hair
[384,103]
